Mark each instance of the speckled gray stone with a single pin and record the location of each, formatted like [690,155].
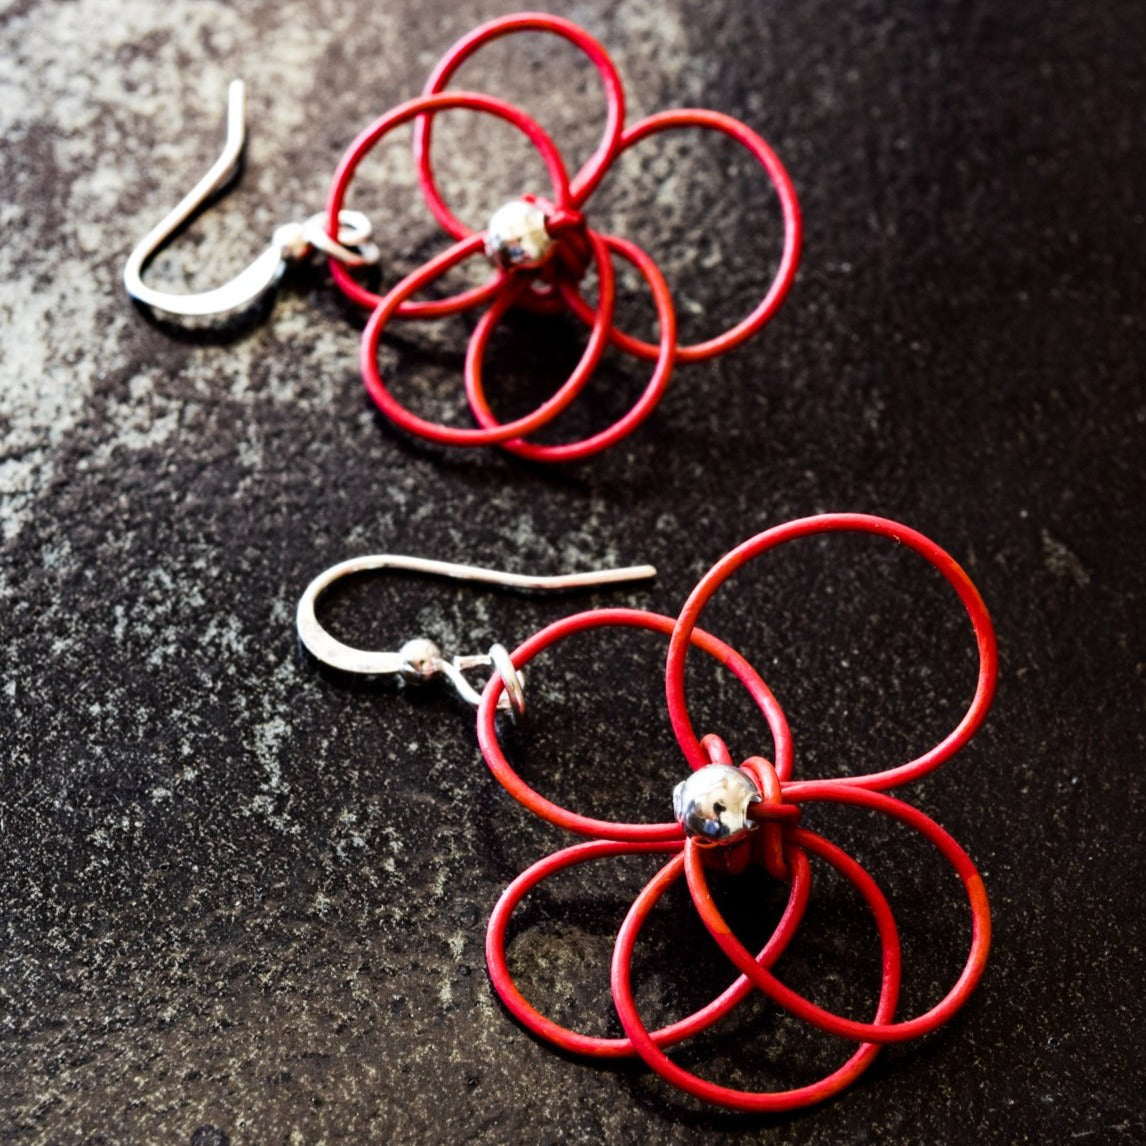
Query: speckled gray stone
[244,902]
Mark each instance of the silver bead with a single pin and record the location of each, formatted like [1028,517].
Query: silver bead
[291,242]
[516,238]
[421,660]
[713,803]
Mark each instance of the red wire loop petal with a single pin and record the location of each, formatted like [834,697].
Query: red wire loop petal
[575,451]
[461,436]
[606,1048]
[590,174]
[882,1030]
[755,1101]
[827,523]
[601,618]
[502,433]
[395,117]
[793,231]
[716,750]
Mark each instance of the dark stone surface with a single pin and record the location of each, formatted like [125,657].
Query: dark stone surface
[246,903]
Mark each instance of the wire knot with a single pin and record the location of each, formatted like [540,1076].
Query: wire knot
[773,815]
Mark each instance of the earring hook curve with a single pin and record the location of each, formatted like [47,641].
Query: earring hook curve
[290,242]
[419,659]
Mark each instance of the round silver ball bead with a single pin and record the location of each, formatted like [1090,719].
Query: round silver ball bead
[713,803]
[516,238]
[291,241]
[421,660]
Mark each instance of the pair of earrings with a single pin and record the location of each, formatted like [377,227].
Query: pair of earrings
[539,246]
[726,817]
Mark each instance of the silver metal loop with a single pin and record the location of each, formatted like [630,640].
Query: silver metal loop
[512,699]
[335,654]
[512,681]
[352,247]
[291,242]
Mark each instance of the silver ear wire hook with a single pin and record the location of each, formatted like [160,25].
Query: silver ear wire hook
[420,660]
[290,243]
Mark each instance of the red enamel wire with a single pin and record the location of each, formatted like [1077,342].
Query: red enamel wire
[828,523]
[637,413]
[715,750]
[601,618]
[479,341]
[590,174]
[609,1048]
[498,433]
[368,139]
[757,1101]
[771,838]
[793,230]
[881,1031]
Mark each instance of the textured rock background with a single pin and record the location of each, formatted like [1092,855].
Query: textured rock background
[246,903]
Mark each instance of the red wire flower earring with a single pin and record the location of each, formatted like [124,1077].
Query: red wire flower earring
[728,818]
[540,247]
